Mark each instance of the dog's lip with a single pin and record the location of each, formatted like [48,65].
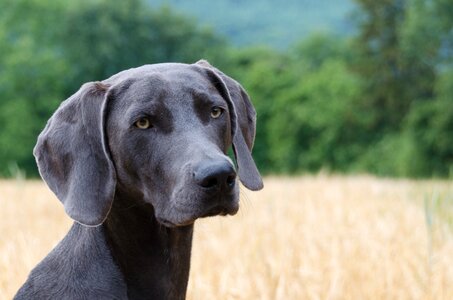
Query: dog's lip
[170,224]
[221,210]
[217,210]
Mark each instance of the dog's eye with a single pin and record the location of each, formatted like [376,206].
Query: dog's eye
[143,123]
[216,112]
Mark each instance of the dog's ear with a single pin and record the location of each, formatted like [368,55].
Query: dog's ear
[73,156]
[243,124]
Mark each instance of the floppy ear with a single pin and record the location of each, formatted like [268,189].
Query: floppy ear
[73,157]
[243,125]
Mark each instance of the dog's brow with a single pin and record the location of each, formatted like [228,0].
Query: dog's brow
[143,109]
[200,103]
[204,97]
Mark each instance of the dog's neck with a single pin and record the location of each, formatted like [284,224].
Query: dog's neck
[154,259]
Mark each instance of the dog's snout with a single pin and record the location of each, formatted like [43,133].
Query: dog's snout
[215,175]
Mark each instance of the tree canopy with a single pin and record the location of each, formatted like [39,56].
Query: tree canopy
[379,101]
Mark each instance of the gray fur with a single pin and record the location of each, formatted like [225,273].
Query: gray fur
[134,193]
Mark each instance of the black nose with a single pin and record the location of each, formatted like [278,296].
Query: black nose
[215,175]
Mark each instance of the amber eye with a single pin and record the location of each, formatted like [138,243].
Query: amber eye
[216,112]
[143,123]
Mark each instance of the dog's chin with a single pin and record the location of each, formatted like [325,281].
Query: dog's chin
[171,224]
[181,221]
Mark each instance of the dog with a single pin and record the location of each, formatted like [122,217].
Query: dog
[136,159]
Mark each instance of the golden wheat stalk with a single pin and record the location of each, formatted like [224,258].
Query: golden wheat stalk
[319,237]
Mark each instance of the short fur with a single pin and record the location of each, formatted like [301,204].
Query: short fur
[135,193]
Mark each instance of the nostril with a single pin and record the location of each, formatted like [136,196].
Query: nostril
[209,182]
[231,180]
[215,175]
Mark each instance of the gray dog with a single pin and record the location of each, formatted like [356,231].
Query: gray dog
[135,160]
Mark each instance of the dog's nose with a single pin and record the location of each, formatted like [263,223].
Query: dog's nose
[215,175]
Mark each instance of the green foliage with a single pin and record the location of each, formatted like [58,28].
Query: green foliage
[378,102]
[316,122]
[306,103]
[431,126]
[51,48]
[113,37]
[265,74]
[30,87]
[402,46]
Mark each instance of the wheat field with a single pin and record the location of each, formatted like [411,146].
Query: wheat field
[312,237]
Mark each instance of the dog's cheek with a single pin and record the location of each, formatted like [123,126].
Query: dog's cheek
[157,191]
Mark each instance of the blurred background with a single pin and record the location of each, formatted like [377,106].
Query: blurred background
[354,137]
[345,86]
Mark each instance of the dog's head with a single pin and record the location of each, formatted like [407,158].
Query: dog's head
[159,133]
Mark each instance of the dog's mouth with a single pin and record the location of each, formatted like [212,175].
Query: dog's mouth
[218,210]
[170,224]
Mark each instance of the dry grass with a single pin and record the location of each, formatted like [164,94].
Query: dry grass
[301,238]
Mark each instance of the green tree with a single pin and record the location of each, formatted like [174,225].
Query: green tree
[30,87]
[403,48]
[104,37]
[318,125]
[264,73]
[49,49]
[385,91]
[306,104]
[430,127]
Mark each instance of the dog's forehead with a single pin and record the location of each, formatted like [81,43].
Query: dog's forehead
[173,84]
[183,94]
[172,72]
